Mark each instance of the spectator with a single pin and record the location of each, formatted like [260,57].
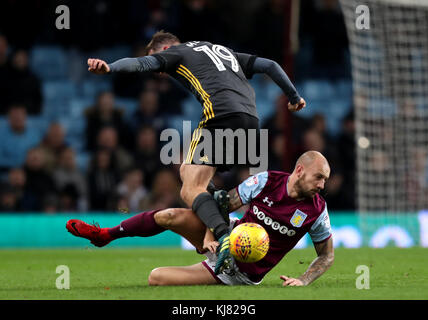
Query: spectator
[108,139]
[165,192]
[313,139]
[39,182]
[104,114]
[346,145]
[156,20]
[148,112]
[151,84]
[52,145]
[4,70]
[17,179]
[24,86]
[16,138]
[132,190]
[277,152]
[171,94]
[9,201]
[147,153]
[102,179]
[68,199]
[275,123]
[415,181]
[318,124]
[68,176]
[380,165]
[176,165]
[50,204]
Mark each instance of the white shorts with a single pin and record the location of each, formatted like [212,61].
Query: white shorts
[231,276]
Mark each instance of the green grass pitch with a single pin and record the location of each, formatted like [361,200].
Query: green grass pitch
[122,274]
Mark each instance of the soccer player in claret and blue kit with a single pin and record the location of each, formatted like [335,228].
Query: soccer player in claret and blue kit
[287,205]
[218,78]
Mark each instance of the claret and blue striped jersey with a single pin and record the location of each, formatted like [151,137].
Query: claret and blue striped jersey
[285,219]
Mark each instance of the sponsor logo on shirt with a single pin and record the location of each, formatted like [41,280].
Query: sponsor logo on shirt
[268,221]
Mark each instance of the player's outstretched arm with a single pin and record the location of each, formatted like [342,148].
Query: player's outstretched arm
[98,66]
[278,75]
[140,64]
[320,265]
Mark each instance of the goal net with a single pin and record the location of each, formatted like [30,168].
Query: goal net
[388,42]
[390,81]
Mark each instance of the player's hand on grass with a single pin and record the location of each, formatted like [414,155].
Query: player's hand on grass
[98,66]
[298,106]
[291,282]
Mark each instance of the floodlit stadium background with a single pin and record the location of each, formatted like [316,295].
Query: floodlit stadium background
[71,162]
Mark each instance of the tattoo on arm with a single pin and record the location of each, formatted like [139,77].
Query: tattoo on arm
[321,263]
[234,200]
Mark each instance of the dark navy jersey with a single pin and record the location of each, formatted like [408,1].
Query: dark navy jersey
[216,75]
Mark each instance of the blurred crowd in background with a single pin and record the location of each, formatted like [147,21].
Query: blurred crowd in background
[72,141]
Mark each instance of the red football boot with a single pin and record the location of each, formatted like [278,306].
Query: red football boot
[98,236]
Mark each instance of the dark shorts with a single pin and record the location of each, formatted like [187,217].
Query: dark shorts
[235,143]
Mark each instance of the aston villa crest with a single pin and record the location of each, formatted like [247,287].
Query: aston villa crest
[298,218]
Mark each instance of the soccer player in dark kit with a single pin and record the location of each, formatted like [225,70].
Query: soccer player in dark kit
[287,205]
[217,77]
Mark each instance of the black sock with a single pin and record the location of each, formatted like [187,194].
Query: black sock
[207,210]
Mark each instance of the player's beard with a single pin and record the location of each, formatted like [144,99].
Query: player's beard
[302,191]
